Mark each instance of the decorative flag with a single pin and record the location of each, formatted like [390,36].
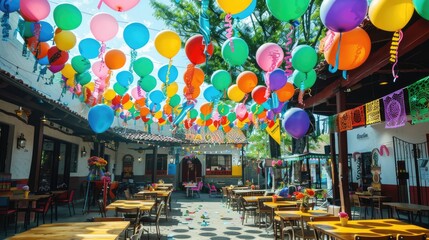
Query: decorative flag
[358,116]
[373,112]
[345,121]
[419,100]
[394,109]
[332,124]
[274,131]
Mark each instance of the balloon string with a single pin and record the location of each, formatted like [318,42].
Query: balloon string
[36,32]
[167,78]
[288,55]
[99,4]
[301,91]
[229,30]
[275,55]
[189,75]
[139,91]
[102,51]
[345,74]
[133,59]
[396,40]
[337,57]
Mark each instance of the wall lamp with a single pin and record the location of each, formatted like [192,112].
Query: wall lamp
[21,141]
[83,152]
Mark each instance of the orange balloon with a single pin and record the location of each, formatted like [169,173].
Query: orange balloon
[198,78]
[247,81]
[195,91]
[115,59]
[144,111]
[206,108]
[167,109]
[140,103]
[262,115]
[286,92]
[355,47]
[42,50]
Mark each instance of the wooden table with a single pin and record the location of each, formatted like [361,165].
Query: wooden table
[254,199]
[75,230]
[375,227]
[142,204]
[410,208]
[189,186]
[372,199]
[247,191]
[28,204]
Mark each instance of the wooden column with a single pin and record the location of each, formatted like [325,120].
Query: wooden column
[34,178]
[334,169]
[343,169]
[155,160]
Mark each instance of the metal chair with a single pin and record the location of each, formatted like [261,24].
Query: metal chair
[319,235]
[411,237]
[154,220]
[130,214]
[42,207]
[381,237]
[63,201]
[6,211]
[246,208]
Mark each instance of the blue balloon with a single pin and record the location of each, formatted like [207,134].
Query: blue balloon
[154,107]
[89,48]
[125,78]
[211,94]
[156,96]
[46,31]
[8,6]
[266,105]
[162,74]
[43,61]
[186,107]
[100,118]
[136,35]
[246,12]
[296,122]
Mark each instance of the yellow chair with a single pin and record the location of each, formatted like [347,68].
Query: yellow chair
[383,237]
[411,237]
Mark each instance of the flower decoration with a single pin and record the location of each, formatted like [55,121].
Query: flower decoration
[305,196]
[96,162]
[26,188]
[343,215]
[277,164]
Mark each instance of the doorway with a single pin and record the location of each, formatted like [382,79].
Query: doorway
[191,169]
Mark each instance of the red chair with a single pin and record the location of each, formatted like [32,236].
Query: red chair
[42,207]
[212,190]
[197,189]
[5,211]
[67,199]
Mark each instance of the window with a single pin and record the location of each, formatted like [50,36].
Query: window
[73,160]
[161,164]
[4,134]
[218,164]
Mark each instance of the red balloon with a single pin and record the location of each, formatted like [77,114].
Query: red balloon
[194,49]
[258,94]
[246,115]
[56,56]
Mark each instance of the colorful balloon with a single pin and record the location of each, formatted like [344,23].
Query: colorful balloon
[46,31]
[211,94]
[239,55]
[55,68]
[103,26]
[167,43]
[120,5]
[100,69]
[422,8]
[343,16]
[147,83]
[172,76]
[34,10]
[143,66]
[83,78]
[175,100]
[115,59]
[125,78]
[296,122]
[89,48]
[304,58]
[233,6]
[258,94]
[235,94]
[100,118]
[65,40]
[223,109]
[247,81]
[269,56]
[249,10]
[67,16]
[221,79]
[57,57]
[390,15]
[136,35]
[287,12]
[277,79]
[8,6]
[156,96]
[80,64]
[171,89]
[119,89]
[302,80]
[195,49]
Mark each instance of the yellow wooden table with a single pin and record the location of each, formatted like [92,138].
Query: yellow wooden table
[374,227]
[144,205]
[254,199]
[159,193]
[75,230]
[410,208]
[297,214]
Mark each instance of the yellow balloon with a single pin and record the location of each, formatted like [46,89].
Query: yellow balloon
[235,94]
[212,128]
[200,122]
[128,105]
[240,124]
[158,114]
[172,89]
[234,6]
[390,15]
[68,71]
[168,43]
[90,86]
[71,82]
[65,40]
[109,94]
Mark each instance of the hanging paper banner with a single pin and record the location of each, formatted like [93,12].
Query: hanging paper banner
[358,116]
[274,131]
[373,112]
[418,97]
[394,109]
[345,121]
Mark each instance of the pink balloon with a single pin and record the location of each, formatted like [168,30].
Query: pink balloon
[103,26]
[121,5]
[56,68]
[241,110]
[138,94]
[100,69]
[269,56]
[34,10]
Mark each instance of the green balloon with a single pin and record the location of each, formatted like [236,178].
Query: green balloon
[256,108]
[83,78]
[80,64]
[232,116]
[304,80]
[175,100]
[193,113]
[24,29]
[223,109]
[205,117]
[143,66]
[422,8]
[67,16]
[147,83]
[304,58]
[119,89]
[287,11]
[221,79]
[240,53]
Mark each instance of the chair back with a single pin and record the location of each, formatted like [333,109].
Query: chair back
[411,237]
[130,214]
[355,200]
[101,207]
[261,206]
[127,194]
[139,233]
[47,205]
[71,195]
[213,187]
[200,185]
[383,237]
[158,211]
[224,192]
[334,210]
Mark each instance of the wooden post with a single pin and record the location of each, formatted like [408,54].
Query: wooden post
[34,178]
[155,160]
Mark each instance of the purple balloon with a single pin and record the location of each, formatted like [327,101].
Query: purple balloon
[279,108]
[56,68]
[270,115]
[343,15]
[277,79]
[296,122]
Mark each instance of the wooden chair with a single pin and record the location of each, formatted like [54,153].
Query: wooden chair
[42,207]
[167,205]
[154,220]
[130,214]
[281,227]
[381,237]
[127,194]
[6,211]
[333,209]
[358,205]
[319,235]
[263,210]
[101,207]
[247,210]
[411,237]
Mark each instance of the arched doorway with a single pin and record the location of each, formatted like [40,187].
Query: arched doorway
[191,169]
